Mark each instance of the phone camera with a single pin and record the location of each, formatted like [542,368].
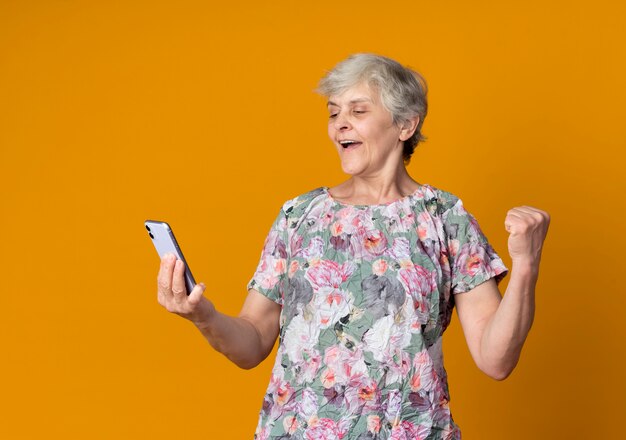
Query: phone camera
[148,228]
[151,236]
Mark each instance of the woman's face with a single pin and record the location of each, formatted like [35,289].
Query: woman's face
[363,132]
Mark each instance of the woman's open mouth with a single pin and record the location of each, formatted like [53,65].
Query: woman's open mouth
[349,145]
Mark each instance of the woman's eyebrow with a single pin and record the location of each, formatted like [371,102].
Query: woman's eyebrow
[352,101]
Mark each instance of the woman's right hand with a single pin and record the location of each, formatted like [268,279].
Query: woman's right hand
[172,293]
[246,339]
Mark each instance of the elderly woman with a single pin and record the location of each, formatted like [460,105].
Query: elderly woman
[359,281]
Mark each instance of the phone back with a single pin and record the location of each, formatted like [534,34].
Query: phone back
[164,241]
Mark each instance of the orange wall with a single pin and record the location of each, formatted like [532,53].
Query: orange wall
[204,116]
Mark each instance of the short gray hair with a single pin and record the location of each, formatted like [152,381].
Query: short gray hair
[402,90]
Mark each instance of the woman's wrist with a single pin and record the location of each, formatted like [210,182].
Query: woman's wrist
[205,314]
[526,266]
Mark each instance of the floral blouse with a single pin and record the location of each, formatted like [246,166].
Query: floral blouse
[366,293]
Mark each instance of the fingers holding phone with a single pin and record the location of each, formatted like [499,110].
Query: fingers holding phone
[172,291]
[179,289]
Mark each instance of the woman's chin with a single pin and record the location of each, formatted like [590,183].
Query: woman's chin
[352,168]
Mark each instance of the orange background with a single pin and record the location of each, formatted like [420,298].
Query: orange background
[204,115]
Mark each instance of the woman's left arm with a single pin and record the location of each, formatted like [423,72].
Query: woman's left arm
[495,328]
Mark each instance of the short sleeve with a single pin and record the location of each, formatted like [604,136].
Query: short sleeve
[472,259]
[270,274]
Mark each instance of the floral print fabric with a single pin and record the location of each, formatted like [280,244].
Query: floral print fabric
[366,293]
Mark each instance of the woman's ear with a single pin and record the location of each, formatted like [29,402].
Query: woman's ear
[408,128]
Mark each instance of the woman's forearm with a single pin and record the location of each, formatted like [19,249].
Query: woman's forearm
[235,337]
[508,328]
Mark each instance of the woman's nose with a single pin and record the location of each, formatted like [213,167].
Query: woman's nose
[341,122]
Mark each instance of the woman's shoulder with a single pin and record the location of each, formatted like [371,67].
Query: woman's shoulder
[297,205]
[440,199]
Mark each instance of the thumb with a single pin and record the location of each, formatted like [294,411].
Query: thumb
[196,294]
[509,223]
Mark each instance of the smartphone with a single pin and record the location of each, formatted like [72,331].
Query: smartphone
[164,241]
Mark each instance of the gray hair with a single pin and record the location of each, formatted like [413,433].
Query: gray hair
[402,89]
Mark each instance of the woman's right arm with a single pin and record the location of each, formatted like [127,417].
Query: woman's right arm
[246,339]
